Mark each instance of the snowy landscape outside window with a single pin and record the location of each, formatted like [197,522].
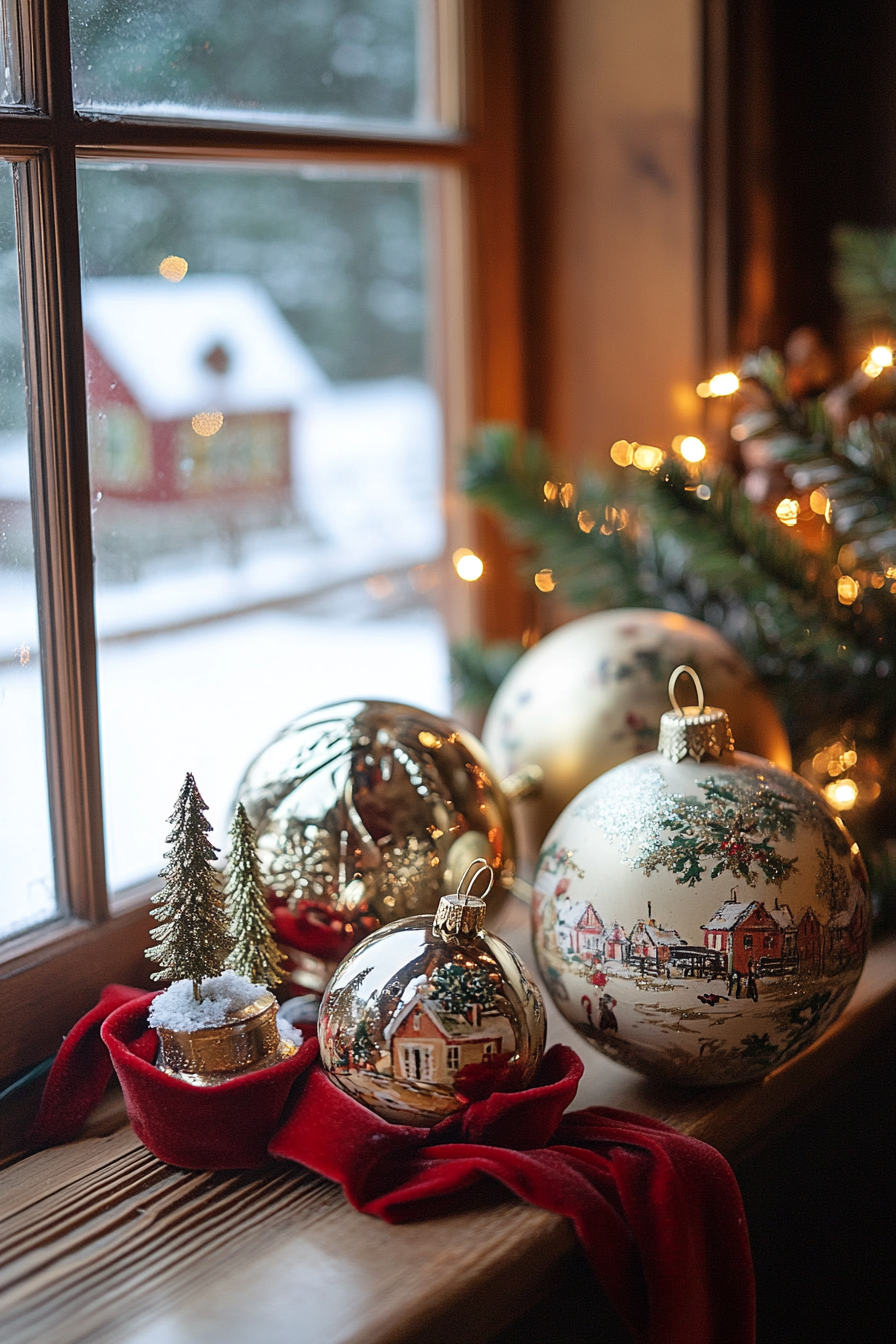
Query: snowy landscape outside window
[232,298]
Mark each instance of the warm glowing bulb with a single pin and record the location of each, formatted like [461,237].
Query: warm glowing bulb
[692,449]
[647,458]
[622,453]
[818,502]
[872,369]
[847,590]
[544,581]
[723,384]
[842,794]
[788,511]
[173,269]
[467,565]
[703,390]
[882,356]
[207,423]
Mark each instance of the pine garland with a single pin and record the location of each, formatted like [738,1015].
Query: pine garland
[255,954]
[191,932]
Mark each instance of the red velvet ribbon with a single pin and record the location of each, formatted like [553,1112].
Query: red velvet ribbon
[659,1215]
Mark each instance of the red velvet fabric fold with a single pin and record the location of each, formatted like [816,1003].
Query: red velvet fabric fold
[659,1214]
[223,1127]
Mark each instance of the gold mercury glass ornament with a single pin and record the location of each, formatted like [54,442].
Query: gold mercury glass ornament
[432,1012]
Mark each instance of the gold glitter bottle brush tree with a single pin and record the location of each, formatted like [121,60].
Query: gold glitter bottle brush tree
[215,1021]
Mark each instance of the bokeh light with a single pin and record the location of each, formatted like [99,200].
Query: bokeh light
[544,581]
[173,269]
[788,512]
[692,449]
[467,565]
[842,794]
[723,384]
[622,453]
[645,457]
[207,423]
[882,356]
[847,590]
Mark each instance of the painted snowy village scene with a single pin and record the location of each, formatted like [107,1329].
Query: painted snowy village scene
[703,936]
[435,1029]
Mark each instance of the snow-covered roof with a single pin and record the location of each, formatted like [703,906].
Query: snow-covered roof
[158,337]
[658,935]
[729,915]
[783,917]
[575,913]
[616,933]
[450,1024]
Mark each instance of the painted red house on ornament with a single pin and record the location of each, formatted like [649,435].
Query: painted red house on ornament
[846,934]
[193,388]
[615,945]
[580,928]
[745,931]
[810,943]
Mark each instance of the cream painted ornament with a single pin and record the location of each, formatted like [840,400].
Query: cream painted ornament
[590,695]
[433,1012]
[698,913]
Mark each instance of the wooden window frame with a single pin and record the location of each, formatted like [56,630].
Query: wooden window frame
[52,973]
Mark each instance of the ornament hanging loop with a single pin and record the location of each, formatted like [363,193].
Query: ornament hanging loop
[683,668]
[463,912]
[696,731]
[477,867]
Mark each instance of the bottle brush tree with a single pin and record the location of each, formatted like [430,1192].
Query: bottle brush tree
[255,954]
[191,937]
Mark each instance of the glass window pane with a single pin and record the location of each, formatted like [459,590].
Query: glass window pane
[266,468]
[10,79]
[359,59]
[26,885]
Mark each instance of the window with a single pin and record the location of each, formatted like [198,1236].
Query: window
[748,940]
[417,1062]
[453,1058]
[239,345]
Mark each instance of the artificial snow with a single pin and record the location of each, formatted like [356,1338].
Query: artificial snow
[222,995]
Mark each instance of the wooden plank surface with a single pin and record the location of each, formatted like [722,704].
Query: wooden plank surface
[101,1242]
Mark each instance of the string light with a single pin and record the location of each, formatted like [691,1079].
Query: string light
[842,794]
[467,565]
[847,590]
[692,449]
[719,385]
[622,453]
[819,503]
[788,512]
[881,358]
[544,581]
[646,457]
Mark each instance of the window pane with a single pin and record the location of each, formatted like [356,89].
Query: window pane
[266,469]
[367,59]
[10,82]
[26,885]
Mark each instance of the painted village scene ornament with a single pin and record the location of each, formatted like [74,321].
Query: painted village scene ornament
[590,695]
[432,1012]
[698,913]
[367,812]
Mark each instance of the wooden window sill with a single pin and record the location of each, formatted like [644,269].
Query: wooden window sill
[104,1243]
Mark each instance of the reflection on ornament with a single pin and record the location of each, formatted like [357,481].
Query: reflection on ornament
[700,917]
[431,1013]
[591,695]
[367,812]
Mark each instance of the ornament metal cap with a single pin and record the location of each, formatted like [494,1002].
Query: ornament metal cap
[697,730]
[463,913]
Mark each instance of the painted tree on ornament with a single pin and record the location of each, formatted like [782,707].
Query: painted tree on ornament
[192,938]
[255,953]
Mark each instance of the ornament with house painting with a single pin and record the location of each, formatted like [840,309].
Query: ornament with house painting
[702,922]
[416,1021]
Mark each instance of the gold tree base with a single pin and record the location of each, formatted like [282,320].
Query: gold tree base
[250,1040]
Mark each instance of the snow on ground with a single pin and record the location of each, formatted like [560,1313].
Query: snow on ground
[206,700]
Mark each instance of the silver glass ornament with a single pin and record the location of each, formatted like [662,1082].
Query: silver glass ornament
[432,1012]
[367,812]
